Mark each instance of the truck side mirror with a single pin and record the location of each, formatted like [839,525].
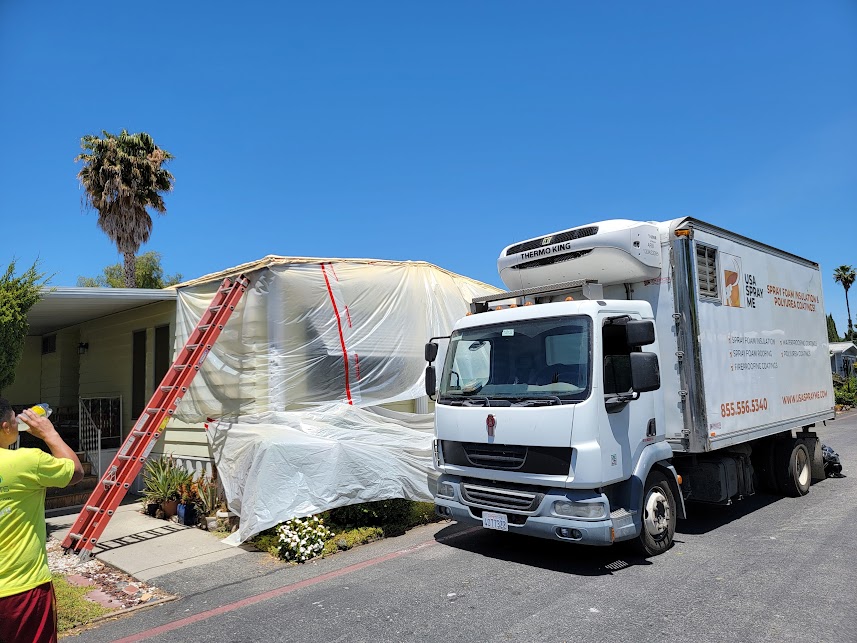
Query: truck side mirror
[431,381]
[645,372]
[639,333]
[431,352]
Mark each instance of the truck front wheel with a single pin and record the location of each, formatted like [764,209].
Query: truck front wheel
[658,516]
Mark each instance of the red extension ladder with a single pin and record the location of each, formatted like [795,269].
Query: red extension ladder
[125,467]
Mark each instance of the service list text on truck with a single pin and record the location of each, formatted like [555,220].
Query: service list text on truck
[632,366]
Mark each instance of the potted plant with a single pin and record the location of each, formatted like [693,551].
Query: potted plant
[186,509]
[162,479]
[210,499]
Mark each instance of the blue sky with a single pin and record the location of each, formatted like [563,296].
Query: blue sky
[437,131]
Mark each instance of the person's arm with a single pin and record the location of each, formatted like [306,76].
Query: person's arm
[41,427]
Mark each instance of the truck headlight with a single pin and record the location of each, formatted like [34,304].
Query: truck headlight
[591,510]
[445,490]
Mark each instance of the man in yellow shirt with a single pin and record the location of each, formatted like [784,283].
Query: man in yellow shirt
[27,604]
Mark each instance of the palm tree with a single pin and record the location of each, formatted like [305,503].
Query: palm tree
[122,176]
[845,275]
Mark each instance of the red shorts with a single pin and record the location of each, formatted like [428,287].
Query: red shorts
[29,617]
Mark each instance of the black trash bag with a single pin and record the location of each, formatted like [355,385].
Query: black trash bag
[832,465]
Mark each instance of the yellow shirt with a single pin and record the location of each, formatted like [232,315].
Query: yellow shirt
[24,476]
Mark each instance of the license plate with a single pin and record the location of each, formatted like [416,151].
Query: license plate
[491,520]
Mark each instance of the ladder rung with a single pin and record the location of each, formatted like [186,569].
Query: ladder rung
[226,289]
[109,482]
[214,309]
[203,327]
[153,410]
[124,457]
[74,536]
[179,367]
[192,347]
[167,389]
[92,508]
[138,434]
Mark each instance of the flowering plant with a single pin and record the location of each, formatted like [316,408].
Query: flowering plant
[301,539]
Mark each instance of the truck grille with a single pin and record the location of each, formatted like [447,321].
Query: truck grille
[555,461]
[568,235]
[495,456]
[495,498]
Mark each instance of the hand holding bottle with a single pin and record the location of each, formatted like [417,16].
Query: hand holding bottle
[35,420]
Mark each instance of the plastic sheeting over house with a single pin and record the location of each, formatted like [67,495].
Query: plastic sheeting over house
[315,331]
[312,345]
[299,463]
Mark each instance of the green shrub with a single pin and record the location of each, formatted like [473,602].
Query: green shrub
[392,516]
[422,513]
[846,395]
[351,538]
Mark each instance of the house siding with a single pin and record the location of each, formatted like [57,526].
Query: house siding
[105,369]
[27,387]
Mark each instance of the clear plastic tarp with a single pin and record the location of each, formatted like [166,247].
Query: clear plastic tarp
[311,345]
[298,463]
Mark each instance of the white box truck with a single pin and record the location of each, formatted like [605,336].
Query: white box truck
[632,366]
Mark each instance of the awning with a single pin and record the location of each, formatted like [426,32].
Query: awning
[63,307]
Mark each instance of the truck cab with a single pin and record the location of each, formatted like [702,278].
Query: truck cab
[548,422]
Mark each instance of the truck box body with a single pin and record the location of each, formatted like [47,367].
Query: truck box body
[752,336]
[544,424]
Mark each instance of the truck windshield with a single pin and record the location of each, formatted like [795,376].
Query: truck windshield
[539,361]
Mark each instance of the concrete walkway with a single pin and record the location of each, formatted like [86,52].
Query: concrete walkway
[146,547]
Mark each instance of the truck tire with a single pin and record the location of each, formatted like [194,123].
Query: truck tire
[657,515]
[794,467]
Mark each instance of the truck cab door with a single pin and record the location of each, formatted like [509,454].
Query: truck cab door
[627,418]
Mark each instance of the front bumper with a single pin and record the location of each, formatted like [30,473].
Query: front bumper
[540,520]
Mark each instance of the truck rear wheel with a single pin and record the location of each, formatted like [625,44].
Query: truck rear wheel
[793,467]
[658,515]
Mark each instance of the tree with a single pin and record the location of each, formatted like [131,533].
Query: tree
[148,274]
[121,177]
[17,296]
[832,333]
[845,275]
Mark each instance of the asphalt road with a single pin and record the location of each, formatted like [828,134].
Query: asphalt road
[764,569]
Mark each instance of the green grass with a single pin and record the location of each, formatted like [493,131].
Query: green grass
[72,608]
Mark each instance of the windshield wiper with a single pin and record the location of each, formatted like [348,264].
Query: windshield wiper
[538,401]
[472,389]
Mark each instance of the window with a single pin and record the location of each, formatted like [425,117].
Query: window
[533,362]
[138,373]
[706,272]
[49,344]
[617,359]
[162,353]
